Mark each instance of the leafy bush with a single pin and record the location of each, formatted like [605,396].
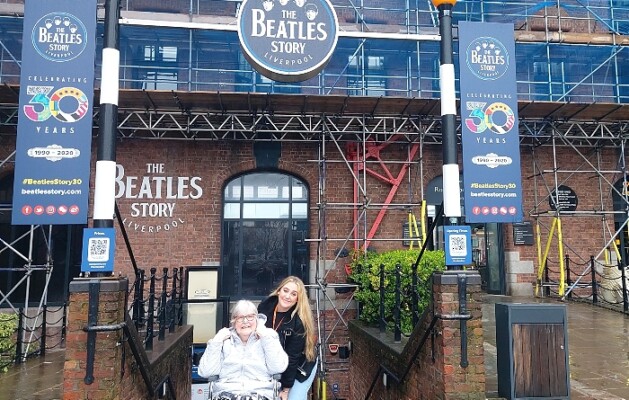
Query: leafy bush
[8,326]
[365,272]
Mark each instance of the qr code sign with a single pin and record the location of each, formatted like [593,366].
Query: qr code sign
[98,249]
[458,245]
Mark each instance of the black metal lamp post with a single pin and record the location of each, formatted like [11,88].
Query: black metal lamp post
[451,188]
[105,178]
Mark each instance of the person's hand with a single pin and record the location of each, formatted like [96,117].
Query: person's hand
[262,330]
[222,335]
[284,394]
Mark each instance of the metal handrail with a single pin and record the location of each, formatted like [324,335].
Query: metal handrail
[382,368]
[409,365]
[462,316]
[138,351]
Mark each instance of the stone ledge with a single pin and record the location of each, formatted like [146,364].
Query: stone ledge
[107,284]
[162,348]
[375,336]
[451,277]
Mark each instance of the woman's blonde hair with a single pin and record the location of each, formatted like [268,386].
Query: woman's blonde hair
[304,312]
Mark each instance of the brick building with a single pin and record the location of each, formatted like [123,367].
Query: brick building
[221,166]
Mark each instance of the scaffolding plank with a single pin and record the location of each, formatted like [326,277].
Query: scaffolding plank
[221,102]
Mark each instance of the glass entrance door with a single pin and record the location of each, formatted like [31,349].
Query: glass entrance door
[487,257]
[265,257]
[265,227]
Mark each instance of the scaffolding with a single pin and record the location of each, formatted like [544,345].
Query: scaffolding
[592,159]
[353,134]
[357,143]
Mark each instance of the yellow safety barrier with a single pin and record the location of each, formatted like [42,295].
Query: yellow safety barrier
[413,232]
[543,259]
[413,229]
[423,221]
[322,388]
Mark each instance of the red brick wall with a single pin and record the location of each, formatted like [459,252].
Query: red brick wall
[337,368]
[106,371]
[443,379]
[112,380]
[197,239]
[582,232]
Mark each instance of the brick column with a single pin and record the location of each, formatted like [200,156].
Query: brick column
[111,293]
[459,382]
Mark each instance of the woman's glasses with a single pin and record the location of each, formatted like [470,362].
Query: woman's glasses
[245,318]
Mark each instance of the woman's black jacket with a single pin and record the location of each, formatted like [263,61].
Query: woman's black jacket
[292,336]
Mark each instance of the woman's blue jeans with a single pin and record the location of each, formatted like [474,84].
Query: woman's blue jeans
[299,391]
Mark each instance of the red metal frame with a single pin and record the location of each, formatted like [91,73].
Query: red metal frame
[372,152]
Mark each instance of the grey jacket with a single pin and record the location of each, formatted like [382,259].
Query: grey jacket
[244,368]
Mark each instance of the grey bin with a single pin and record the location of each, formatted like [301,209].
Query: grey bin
[532,349]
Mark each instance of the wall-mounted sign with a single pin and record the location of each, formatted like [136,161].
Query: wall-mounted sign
[406,234]
[434,190]
[54,133]
[154,198]
[98,249]
[287,41]
[202,283]
[523,233]
[563,199]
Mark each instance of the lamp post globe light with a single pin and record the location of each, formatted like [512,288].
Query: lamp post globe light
[451,189]
[438,3]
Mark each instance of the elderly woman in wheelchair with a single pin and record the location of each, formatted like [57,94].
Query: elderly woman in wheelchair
[241,360]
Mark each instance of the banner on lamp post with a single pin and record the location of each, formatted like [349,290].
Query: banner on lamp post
[54,133]
[492,181]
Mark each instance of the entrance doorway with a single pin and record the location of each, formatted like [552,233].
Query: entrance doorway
[265,226]
[487,257]
[487,241]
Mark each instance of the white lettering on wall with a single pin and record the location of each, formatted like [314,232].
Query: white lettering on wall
[158,194]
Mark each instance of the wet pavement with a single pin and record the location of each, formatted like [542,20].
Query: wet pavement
[38,378]
[598,342]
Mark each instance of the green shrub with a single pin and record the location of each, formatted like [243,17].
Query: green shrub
[365,272]
[8,326]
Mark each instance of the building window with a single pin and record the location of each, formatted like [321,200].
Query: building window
[366,78]
[265,225]
[158,80]
[159,67]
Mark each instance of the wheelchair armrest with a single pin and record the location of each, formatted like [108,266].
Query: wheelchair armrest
[212,378]
[277,376]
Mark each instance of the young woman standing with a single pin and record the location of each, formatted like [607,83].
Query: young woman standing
[288,312]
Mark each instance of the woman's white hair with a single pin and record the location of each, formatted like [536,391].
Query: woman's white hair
[243,307]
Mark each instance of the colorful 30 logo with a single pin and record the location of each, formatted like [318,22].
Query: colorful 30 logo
[481,120]
[50,105]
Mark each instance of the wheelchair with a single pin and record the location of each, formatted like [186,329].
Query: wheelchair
[243,396]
